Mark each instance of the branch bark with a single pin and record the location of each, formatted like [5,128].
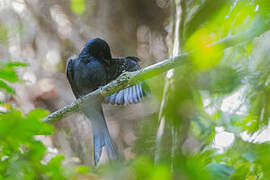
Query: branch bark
[125,80]
[176,48]
[128,79]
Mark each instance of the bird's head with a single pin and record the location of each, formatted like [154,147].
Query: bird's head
[99,49]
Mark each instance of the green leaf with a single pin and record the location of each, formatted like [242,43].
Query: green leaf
[9,123]
[54,169]
[6,63]
[55,161]
[16,64]
[9,74]
[207,10]
[20,129]
[77,6]
[40,128]
[6,87]
[37,114]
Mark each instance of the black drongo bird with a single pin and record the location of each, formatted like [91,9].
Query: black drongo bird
[92,68]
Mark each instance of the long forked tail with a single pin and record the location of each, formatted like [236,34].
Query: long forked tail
[103,139]
[101,136]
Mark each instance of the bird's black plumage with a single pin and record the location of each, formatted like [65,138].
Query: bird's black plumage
[92,68]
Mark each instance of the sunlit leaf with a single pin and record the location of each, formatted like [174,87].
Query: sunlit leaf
[205,12]
[204,57]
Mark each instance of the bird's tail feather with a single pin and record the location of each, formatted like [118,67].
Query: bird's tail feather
[101,136]
[103,139]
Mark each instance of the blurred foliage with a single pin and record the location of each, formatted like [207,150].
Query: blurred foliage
[8,74]
[21,155]
[3,34]
[223,93]
[77,6]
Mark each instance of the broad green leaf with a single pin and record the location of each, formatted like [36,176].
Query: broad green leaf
[34,118]
[8,123]
[37,114]
[13,125]
[54,169]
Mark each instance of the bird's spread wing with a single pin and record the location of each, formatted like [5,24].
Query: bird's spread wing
[133,94]
[70,76]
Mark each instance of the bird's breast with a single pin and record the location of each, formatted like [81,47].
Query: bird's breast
[90,76]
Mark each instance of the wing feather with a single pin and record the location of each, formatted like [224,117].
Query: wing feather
[133,94]
[70,76]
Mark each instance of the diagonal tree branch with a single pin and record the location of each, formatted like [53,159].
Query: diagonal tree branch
[128,79]
[125,80]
